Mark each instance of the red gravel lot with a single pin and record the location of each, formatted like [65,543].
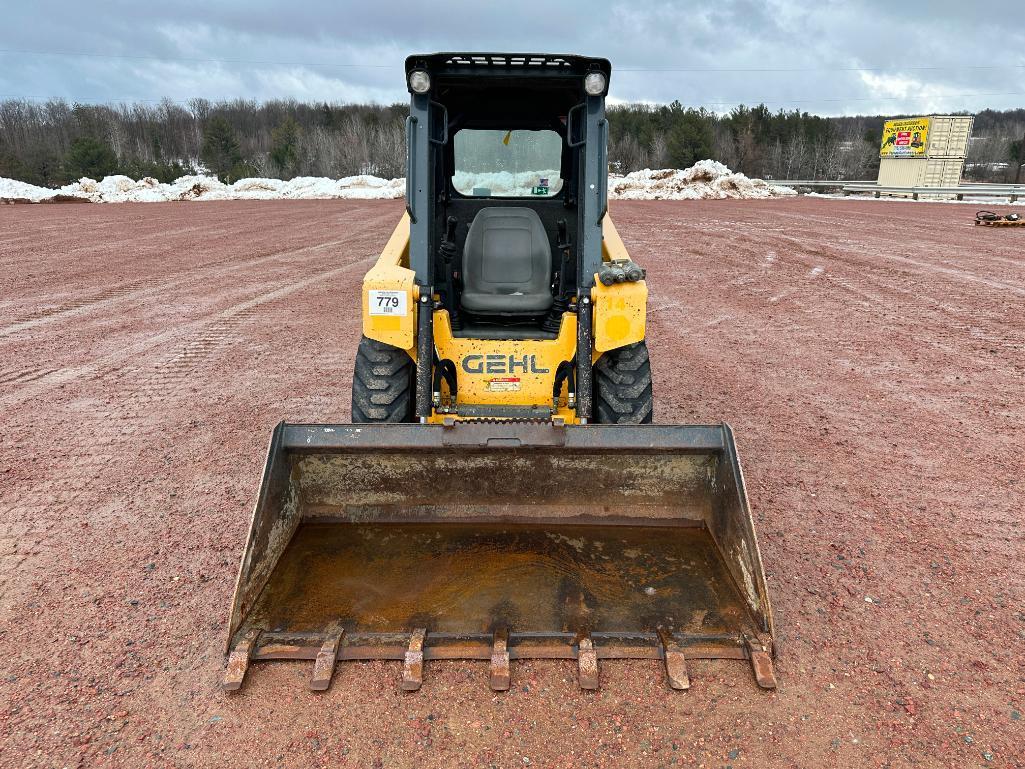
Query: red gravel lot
[870,356]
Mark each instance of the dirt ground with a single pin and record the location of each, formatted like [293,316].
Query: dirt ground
[869,355]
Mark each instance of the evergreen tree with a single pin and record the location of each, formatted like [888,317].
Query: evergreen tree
[89,156]
[284,151]
[221,151]
[689,139]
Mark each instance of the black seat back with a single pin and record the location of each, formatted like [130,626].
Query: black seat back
[507,263]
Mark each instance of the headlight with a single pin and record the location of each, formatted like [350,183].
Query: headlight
[420,81]
[594,83]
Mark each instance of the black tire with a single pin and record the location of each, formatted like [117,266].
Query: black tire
[382,384]
[622,386]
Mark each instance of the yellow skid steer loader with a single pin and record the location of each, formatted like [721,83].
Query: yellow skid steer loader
[501,493]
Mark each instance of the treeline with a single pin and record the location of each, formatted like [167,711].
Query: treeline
[753,140]
[55,142]
[790,145]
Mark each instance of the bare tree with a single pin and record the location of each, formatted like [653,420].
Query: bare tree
[794,155]
[658,153]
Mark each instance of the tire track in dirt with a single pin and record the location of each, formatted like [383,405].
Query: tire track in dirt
[215,231]
[943,268]
[148,287]
[812,273]
[978,316]
[115,361]
[882,242]
[838,275]
[17,376]
[856,267]
[99,242]
[927,236]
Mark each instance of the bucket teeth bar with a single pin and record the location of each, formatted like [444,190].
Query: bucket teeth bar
[500,674]
[676,663]
[499,648]
[587,663]
[324,666]
[238,661]
[413,665]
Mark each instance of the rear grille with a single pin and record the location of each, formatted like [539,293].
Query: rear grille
[502,60]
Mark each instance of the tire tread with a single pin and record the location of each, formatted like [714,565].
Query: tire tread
[382,383]
[622,386]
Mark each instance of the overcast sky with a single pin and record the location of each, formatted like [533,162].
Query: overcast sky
[823,56]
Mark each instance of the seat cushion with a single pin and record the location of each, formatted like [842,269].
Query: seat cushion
[507,263]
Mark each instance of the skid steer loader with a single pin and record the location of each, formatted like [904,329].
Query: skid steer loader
[501,493]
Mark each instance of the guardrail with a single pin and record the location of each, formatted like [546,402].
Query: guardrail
[1010,191]
[961,191]
[811,183]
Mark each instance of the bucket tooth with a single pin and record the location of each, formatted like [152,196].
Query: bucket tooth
[500,674]
[587,663]
[761,662]
[413,665]
[676,663]
[238,661]
[324,667]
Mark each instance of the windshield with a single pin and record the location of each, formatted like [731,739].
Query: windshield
[507,164]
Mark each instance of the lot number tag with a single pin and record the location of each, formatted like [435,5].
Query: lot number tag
[388,303]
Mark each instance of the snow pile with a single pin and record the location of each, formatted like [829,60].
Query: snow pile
[116,189]
[705,180]
[305,188]
[507,184]
[22,192]
[122,189]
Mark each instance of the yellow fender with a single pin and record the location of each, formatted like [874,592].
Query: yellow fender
[620,310]
[390,294]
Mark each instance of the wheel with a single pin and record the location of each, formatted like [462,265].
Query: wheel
[622,386]
[382,384]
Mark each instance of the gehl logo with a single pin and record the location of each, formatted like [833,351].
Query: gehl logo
[502,364]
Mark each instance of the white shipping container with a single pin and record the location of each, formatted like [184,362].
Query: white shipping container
[948,136]
[943,172]
[943,161]
[920,172]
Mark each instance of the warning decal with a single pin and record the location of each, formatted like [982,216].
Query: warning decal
[504,384]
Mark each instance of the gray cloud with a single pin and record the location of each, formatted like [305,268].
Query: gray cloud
[827,57]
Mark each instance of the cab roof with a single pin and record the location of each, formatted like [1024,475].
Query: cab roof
[537,69]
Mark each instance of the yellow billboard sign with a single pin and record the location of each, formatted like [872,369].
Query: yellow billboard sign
[905,138]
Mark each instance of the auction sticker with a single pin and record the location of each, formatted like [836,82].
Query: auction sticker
[388,303]
[504,384]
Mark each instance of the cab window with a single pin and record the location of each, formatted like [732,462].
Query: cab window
[507,164]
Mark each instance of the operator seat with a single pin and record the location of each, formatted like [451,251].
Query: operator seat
[507,263]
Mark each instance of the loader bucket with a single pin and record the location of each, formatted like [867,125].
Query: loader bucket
[501,541]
